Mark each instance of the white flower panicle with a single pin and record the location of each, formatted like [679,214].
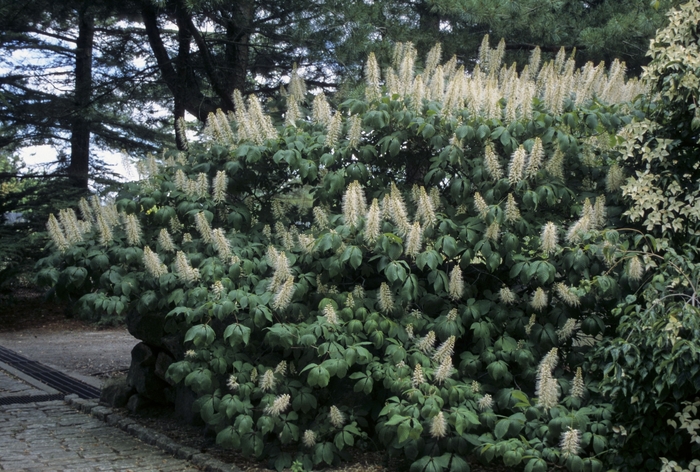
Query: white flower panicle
[535,160]
[280,404]
[517,166]
[201,187]
[575,233]
[567,295]
[309,438]
[321,110]
[547,388]
[566,331]
[385,299]
[85,211]
[549,238]
[334,129]
[426,344]
[217,289]
[474,387]
[254,375]
[512,212]
[267,381]
[71,226]
[485,402]
[438,426]
[175,225]
[232,383]
[531,322]
[452,315]
[480,205]
[219,187]
[132,228]
[507,296]
[425,208]
[414,240]
[372,78]
[492,163]
[190,354]
[165,241]
[105,229]
[395,209]
[186,238]
[456,287]
[154,265]
[284,295]
[281,368]
[615,178]
[358,292]
[184,269]
[635,269]
[539,299]
[56,233]
[493,232]
[418,377]
[444,370]
[330,314]
[578,387]
[555,165]
[282,271]
[293,113]
[373,222]
[306,243]
[297,87]
[320,218]
[354,206]
[570,441]
[202,224]
[599,213]
[221,244]
[354,131]
[445,349]
[336,416]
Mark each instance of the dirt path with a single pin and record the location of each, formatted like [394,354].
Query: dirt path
[40,331]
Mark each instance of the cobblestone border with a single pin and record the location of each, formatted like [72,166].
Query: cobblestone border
[148,436]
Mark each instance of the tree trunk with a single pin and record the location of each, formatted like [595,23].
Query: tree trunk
[79,166]
[238,33]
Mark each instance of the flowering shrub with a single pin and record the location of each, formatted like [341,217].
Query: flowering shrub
[425,268]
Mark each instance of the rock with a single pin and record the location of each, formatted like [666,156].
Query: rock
[137,402]
[184,398]
[147,327]
[163,361]
[116,392]
[142,374]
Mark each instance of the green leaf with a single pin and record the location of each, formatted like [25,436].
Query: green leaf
[237,334]
[501,428]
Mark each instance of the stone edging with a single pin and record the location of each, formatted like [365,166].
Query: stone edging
[148,436]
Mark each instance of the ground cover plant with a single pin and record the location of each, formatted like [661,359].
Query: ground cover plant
[428,269]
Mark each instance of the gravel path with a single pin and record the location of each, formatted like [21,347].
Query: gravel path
[99,353]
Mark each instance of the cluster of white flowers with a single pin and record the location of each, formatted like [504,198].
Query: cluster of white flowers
[507,296]
[354,206]
[184,270]
[456,286]
[485,402]
[438,426]
[280,404]
[418,377]
[154,266]
[547,388]
[385,298]
[549,238]
[539,299]
[336,416]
